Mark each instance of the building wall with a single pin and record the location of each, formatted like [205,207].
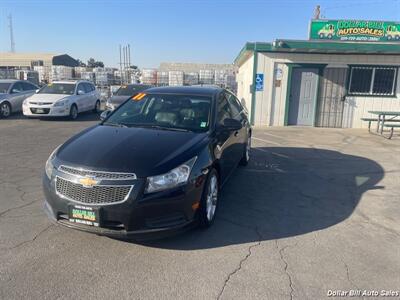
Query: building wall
[244,79]
[270,103]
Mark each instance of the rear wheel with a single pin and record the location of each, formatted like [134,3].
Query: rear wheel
[96,109]
[5,110]
[73,112]
[246,153]
[209,200]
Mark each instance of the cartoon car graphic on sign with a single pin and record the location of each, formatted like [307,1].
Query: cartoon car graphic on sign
[392,33]
[328,31]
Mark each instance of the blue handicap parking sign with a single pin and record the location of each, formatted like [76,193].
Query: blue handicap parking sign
[259,82]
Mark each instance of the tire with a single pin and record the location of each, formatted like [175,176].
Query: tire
[73,112]
[329,36]
[96,109]
[209,200]
[5,110]
[246,153]
[389,37]
[321,35]
[397,37]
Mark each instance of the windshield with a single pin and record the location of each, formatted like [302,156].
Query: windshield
[58,88]
[129,90]
[4,86]
[180,112]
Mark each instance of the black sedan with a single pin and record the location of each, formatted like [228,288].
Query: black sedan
[154,165]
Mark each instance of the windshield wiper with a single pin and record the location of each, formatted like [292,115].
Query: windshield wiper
[115,124]
[162,127]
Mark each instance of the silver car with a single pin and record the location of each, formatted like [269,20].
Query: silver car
[12,95]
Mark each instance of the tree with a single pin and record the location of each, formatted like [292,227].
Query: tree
[92,63]
[81,63]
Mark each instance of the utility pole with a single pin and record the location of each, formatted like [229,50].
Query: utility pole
[10,25]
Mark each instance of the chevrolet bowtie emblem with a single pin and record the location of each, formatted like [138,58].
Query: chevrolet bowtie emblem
[88,182]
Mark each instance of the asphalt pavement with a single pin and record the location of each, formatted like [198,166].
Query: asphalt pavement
[316,211]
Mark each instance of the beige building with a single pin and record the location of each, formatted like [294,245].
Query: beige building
[10,60]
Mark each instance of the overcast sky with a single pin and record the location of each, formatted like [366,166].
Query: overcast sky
[170,30]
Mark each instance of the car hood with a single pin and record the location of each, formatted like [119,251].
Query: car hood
[143,151]
[49,98]
[117,100]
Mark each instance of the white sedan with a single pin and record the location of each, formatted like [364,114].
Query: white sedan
[63,98]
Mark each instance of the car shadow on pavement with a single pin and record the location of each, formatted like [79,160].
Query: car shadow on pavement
[283,192]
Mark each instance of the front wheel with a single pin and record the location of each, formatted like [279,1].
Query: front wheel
[246,153]
[5,110]
[73,113]
[209,200]
[96,109]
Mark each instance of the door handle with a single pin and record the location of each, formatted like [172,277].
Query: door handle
[236,133]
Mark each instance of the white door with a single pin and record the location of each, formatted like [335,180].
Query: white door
[81,98]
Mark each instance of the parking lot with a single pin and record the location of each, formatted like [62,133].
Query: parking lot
[315,210]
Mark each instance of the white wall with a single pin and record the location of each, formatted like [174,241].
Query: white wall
[244,78]
[270,104]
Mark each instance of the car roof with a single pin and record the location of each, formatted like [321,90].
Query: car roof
[189,90]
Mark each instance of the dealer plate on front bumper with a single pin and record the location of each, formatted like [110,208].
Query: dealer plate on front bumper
[84,215]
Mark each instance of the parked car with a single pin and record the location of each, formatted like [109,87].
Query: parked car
[63,98]
[12,95]
[123,93]
[154,165]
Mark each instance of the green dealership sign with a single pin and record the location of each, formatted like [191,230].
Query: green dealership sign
[355,31]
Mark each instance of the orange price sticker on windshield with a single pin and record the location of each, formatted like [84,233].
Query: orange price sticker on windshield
[139,96]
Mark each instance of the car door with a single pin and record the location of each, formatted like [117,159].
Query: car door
[224,138]
[17,96]
[240,136]
[92,97]
[81,97]
[29,89]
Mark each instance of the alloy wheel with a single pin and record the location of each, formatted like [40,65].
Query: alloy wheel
[212,198]
[5,110]
[74,112]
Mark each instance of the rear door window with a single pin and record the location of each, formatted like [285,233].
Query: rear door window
[224,110]
[17,88]
[28,86]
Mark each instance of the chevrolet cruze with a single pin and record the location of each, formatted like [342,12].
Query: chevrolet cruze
[154,165]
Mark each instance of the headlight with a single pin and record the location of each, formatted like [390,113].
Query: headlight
[49,168]
[61,102]
[173,178]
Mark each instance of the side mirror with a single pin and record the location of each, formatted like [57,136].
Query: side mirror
[104,115]
[37,91]
[80,92]
[232,125]
[15,91]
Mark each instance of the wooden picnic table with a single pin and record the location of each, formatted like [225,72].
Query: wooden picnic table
[382,118]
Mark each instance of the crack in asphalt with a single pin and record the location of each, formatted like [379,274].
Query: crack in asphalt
[280,251]
[242,261]
[28,241]
[18,207]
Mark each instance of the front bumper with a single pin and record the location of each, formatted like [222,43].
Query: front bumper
[49,111]
[140,217]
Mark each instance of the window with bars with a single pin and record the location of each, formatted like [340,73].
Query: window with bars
[376,81]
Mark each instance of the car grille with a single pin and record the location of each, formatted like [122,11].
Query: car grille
[98,194]
[98,174]
[42,111]
[41,103]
